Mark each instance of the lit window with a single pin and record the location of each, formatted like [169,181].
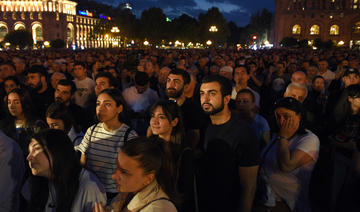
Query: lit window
[296,30]
[314,30]
[334,30]
[39,16]
[31,16]
[357,27]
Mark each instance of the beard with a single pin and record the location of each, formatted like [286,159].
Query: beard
[173,93]
[37,87]
[214,110]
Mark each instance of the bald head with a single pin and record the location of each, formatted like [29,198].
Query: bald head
[299,77]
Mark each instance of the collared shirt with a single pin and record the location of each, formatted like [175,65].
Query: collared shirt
[146,198]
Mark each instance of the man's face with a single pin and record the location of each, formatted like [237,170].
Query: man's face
[174,86]
[79,71]
[101,84]
[299,77]
[296,93]
[351,79]
[241,75]
[34,81]
[311,71]
[323,66]
[212,101]
[6,71]
[63,94]
[163,74]
[318,84]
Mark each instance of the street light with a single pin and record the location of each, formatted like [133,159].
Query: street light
[146,43]
[208,42]
[213,29]
[115,30]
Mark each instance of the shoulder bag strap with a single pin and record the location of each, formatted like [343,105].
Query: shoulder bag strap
[92,131]
[127,134]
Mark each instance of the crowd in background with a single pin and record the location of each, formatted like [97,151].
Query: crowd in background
[180,130]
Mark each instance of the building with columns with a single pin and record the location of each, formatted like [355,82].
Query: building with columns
[336,20]
[52,19]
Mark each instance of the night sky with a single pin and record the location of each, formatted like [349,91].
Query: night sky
[238,11]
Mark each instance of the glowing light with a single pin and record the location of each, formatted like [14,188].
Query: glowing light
[132,42]
[341,43]
[177,43]
[46,43]
[115,29]
[146,43]
[106,36]
[115,43]
[7,44]
[209,42]
[213,29]
[254,37]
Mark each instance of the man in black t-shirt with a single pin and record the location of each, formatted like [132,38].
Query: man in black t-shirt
[177,82]
[231,146]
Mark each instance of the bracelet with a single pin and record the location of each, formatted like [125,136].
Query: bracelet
[279,137]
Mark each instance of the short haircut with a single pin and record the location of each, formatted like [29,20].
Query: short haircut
[296,85]
[141,78]
[9,63]
[184,74]
[318,77]
[247,91]
[37,69]
[66,82]
[79,63]
[59,110]
[109,76]
[14,79]
[225,84]
[247,69]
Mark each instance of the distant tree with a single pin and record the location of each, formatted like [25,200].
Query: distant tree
[185,29]
[213,17]
[289,42]
[153,25]
[126,21]
[19,38]
[303,43]
[260,23]
[235,34]
[58,43]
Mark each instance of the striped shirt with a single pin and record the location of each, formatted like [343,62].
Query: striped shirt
[101,152]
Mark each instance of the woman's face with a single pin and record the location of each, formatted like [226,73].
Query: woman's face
[129,176]
[14,105]
[55,123]
[106,109]
[285,116]
[38,162]
[160,124]
[9,86]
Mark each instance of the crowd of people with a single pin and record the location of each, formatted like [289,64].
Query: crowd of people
[180,130]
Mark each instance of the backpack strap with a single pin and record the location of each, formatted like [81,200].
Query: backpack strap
[127,134]
[92,131]
[162,198]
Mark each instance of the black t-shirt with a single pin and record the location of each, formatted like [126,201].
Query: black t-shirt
[240,138]
[191,114]
[42,101]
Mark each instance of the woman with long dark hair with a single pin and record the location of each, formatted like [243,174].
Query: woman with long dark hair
[288,160]
[143,178]
[59,183]
[20,121]
[166,123]
[104,140]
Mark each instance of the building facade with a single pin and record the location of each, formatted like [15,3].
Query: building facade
[336,20]
[52,19]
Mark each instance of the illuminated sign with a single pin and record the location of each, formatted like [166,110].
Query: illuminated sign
[168,19]
[105,17]
[86,13]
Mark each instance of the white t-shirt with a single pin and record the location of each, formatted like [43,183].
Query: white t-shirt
[90,191]
[292,187]
[139,101]
[84,90]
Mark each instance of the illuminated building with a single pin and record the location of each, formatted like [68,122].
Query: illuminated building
[336,20]
[52,19]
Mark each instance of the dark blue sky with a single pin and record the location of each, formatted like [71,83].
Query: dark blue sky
[238,11]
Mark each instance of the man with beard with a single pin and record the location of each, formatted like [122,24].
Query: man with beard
[177,82]
[231,152]
[41,93]
[64,93]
